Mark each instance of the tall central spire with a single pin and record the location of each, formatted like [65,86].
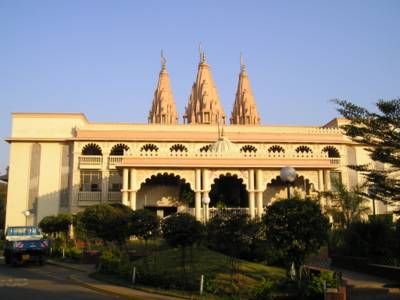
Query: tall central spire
[204,106]
[244,109]
[163,109]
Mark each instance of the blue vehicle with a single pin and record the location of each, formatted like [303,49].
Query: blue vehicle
[25,244]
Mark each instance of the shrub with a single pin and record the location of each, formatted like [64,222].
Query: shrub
[263,291]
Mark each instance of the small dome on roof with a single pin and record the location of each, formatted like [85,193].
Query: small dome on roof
[224,145]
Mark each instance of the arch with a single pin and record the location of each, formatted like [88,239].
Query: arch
[248,148]
[303,149]
[91,149]
[276,189]
[178,148]
[228,190]
[149,148]
[119,149]
[165,190]
[205,148]
[331,151]
[276,149]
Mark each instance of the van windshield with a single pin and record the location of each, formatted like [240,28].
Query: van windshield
[21,231]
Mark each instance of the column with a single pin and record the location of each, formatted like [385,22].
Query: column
[205,191]
[259,194]
[320,181]
[132,192]
[197,198]
[104,185]
[125,187]
[251,193]
[327,179]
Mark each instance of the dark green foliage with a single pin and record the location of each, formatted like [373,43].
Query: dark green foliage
[182,230]
[380,132]
[297,228]
[145,224]
[56,224]
[263,291]
[237,236]
[375,240]
[313,288]
[109,223]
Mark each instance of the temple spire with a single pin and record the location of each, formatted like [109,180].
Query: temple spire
[163,109]
[204,106]
[244,109]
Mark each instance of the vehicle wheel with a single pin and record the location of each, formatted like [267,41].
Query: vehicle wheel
[41,261]
[14,261]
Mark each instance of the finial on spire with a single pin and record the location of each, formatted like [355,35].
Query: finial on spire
[202,54]
[242,65]
[163,60]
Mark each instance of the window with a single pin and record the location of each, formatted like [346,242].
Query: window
[91,149]
[90,181]
[336,177]
[114,182]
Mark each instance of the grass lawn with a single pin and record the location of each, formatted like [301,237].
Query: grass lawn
[164,267]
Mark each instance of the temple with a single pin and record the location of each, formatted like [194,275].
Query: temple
[62,162]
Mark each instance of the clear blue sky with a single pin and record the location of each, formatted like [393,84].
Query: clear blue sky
[102,57]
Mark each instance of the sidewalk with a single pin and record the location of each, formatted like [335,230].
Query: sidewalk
[82,278]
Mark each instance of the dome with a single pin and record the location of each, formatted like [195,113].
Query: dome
[224,145]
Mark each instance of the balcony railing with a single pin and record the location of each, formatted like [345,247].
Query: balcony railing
[89,198]
[90,161]
[114,160]
[115,196]
[228,211]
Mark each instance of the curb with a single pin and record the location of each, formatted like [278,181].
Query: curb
[65,266]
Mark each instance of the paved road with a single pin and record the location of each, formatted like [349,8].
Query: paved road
[42,282]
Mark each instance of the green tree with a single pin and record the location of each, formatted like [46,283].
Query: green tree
[346,205]
[182,230]
[145,225]
[380,133]
[296,228]
[109,223]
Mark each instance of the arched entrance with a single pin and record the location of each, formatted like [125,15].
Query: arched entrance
[165,194]
[228,191]
[277,189]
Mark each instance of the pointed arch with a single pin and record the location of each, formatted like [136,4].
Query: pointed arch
[248,149]
[331,151]
[119,149]
[91,149]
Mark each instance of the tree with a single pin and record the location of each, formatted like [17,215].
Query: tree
[110,223]
[347,205]
[145,225]
[235,236]
[56,224]
[380,133]
[182,230]
[296,228]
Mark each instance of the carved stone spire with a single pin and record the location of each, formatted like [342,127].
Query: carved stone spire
[204,106]
[163,109]
[244,109]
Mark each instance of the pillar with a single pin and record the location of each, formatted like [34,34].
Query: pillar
[259,194]
[125,187]
[197,198]
[251,193]
[205,191]
[132,192]
[320,181]
[327,180]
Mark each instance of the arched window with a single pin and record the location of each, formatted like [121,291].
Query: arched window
[91,149]
[178,148]
[119,149]
[331,151]
[149,148]
[248,148]
[276,149]
[303,149]
[205,148]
